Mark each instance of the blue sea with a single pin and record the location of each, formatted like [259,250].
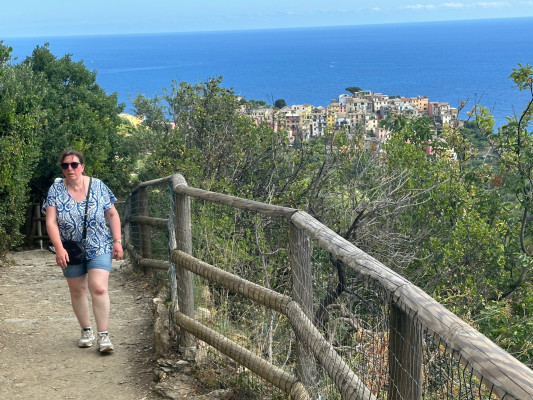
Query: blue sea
[446,61]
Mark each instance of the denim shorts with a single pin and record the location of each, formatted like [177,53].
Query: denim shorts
[99,262]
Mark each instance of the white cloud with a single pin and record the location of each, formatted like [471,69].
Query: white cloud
[376,9]
[493,4]
[453,5]
[457,5]
[420,7]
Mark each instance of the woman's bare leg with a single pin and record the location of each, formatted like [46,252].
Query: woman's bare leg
[78,297]
[98,287]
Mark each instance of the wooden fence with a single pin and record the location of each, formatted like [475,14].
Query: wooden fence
[430,352]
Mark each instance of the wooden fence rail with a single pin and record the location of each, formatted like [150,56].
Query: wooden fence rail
[413,314]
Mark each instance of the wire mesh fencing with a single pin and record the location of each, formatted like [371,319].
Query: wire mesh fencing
[301,312]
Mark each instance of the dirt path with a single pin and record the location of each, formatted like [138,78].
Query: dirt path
[39,357]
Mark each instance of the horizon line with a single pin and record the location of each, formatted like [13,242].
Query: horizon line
[265,29]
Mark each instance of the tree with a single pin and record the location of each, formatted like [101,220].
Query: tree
[213,144]
[21,92]
[513,146]
[5,56]
[353,89]
[417,130]
[280,103]
[508,177]
[47,105]
[77,114]
[474,222]
[256,103]
[443,220]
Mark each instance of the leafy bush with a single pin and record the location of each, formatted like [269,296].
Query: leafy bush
[20,112]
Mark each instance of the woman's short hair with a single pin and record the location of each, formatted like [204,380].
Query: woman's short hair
[71,152]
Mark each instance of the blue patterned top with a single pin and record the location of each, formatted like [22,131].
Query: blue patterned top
[70,216]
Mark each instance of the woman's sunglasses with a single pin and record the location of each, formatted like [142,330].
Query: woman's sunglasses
[74,165]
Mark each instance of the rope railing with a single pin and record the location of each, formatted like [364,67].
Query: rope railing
[263,279]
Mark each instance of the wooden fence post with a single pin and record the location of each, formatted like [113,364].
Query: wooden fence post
[185,282]
[405,356]
[126,222]
[145,231]
[302,289]
[39,225]
[36,232]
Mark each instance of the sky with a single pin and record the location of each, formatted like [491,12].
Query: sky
[38,18]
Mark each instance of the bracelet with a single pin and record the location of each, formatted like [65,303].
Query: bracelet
[117,241]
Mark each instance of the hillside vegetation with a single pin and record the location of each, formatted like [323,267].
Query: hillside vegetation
[457,222]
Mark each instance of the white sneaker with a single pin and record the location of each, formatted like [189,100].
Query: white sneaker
[87,338]
[104,343]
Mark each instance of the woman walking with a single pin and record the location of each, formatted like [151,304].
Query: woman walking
[80,208]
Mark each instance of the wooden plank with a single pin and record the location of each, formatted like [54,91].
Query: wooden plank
[42,237]
[144,231]
[302,293]
[184,278]
[348,383]
[126,223]
[351,255]
[237,202]
[405,356]
[154,264]
[279,378]
[488,360]
[486,357]
[252,291]
[153,182]
[146,262]
[151,221]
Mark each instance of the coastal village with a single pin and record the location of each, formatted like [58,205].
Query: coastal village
[360,111]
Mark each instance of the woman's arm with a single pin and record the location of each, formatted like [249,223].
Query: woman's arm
[53,232]
[113,219]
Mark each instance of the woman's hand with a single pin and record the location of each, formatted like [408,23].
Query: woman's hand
[118,252]
[53,232]
[61,257]
[113,219]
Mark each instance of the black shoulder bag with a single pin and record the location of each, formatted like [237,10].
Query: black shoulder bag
[76,250]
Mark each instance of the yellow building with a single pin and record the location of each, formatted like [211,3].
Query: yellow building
[331,113]
[420,103]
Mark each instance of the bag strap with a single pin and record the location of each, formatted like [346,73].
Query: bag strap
[86,209]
